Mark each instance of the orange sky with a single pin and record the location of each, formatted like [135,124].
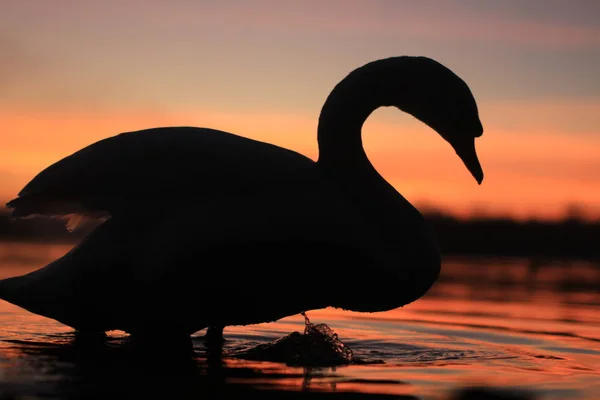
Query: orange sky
[79,72]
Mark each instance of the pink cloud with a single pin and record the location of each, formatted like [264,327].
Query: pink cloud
[444,23]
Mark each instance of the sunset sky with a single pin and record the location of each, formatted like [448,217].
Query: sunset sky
[74,72]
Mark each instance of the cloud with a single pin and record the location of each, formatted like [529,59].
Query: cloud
[564,115]
[18,64]
[515,23]
[436,21]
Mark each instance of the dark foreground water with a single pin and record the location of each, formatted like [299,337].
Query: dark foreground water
[508,324]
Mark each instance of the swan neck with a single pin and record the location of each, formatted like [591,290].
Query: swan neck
[340,127]
[346,109]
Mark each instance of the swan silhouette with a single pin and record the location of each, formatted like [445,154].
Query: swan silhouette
[206,229]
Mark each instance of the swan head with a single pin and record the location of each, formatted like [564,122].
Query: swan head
[436,96]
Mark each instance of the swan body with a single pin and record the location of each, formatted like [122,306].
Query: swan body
[206,228]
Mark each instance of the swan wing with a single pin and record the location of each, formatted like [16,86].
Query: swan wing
[265,256]
[255,257]
[155,169]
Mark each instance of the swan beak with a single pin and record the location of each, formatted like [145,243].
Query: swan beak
[466,152]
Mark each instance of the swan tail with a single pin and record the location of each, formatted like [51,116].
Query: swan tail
[32,206]
[22,207]
[19,291]
[74,214]
[33,293]
[10,289]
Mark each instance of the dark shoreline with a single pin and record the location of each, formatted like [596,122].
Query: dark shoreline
[573,237]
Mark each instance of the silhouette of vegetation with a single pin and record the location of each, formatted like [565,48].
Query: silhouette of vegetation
[572,237]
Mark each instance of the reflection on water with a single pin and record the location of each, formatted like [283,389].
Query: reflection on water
[508,323]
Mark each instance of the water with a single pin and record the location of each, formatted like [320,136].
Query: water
[505,323]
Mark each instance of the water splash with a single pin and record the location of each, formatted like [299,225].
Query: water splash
[319,345]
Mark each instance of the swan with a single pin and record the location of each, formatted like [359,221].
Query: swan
[205,229]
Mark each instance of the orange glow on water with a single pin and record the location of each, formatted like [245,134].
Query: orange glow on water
[483,322]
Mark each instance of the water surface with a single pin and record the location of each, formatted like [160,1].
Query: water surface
[507,323]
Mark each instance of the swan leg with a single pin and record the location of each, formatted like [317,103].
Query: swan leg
[213,340]
[214,336]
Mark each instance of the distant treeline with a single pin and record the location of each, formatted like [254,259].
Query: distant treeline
[571,237]
[567,238]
